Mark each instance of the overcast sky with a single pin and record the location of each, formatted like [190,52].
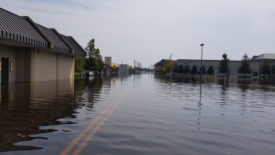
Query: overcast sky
[149,30]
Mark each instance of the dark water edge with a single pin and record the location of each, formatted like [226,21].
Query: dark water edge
[157,116]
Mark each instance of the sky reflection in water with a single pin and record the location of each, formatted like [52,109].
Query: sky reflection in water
[157,116]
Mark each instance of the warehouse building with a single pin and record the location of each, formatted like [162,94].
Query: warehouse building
[234,65]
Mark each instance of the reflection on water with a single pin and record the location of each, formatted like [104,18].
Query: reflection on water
[232,118]
[25,107]
[156,116]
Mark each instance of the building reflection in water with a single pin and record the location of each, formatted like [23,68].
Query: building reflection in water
[123,77]
[94,89]
[27,107]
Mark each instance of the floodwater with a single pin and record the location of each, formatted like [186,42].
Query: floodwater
[141,114]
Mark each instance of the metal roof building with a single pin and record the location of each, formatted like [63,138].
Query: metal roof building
[265,56]
[32,52]
[23,32]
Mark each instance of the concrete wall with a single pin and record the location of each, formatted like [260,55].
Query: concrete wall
[34,65]
[23,61]
[65,67]
[9,52]
[43,66]
[47,66]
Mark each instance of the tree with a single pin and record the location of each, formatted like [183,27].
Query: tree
[94,61]
[80,64]
[202,70]
[265,68]
[186,69]
[163,66]
[176,68]
[224,65]
[90,63]
[162,62]
[210,70]
[194,70]
[181,69]
[91,48]
[245,66]
[99,61]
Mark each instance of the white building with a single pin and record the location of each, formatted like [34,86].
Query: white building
[108,61]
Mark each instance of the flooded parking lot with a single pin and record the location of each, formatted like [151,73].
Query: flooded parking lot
[141,114]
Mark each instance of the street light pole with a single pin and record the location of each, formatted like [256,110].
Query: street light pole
[201,62]
[200,77]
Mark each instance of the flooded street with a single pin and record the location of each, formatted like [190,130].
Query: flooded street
[141,114]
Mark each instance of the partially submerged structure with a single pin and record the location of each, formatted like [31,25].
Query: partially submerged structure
[32,52]
[234,65]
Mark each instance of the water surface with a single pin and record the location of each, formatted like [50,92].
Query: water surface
[152,116]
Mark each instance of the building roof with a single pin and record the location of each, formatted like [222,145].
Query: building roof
[76,47]
[18,28]
[58,44]
[23,32]
[269,56]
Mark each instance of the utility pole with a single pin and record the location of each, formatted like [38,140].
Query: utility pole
[201,62]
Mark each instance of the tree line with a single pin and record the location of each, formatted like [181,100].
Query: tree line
[93,60]
[266,69]
[164,66]
[187,69]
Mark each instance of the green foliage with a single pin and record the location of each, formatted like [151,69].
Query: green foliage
[265,68]
[202,69]
[162,63]
[194,70]
[163,66]
[224,65]
[94,62]
[80,64]
[210,70]
[245,66]
[178,69]
[91,48]
[187,69]
[99,61]
[181,69]
[91,63]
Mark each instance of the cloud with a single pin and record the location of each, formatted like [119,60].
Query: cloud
[148,30]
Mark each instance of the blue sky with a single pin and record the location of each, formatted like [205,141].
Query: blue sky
[149,30]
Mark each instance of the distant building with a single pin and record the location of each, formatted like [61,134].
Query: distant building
[123,68]
[108,66]
[265,56]
[32,52]
[233,64]
[108,61]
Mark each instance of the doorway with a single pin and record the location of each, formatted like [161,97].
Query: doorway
[5,71]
